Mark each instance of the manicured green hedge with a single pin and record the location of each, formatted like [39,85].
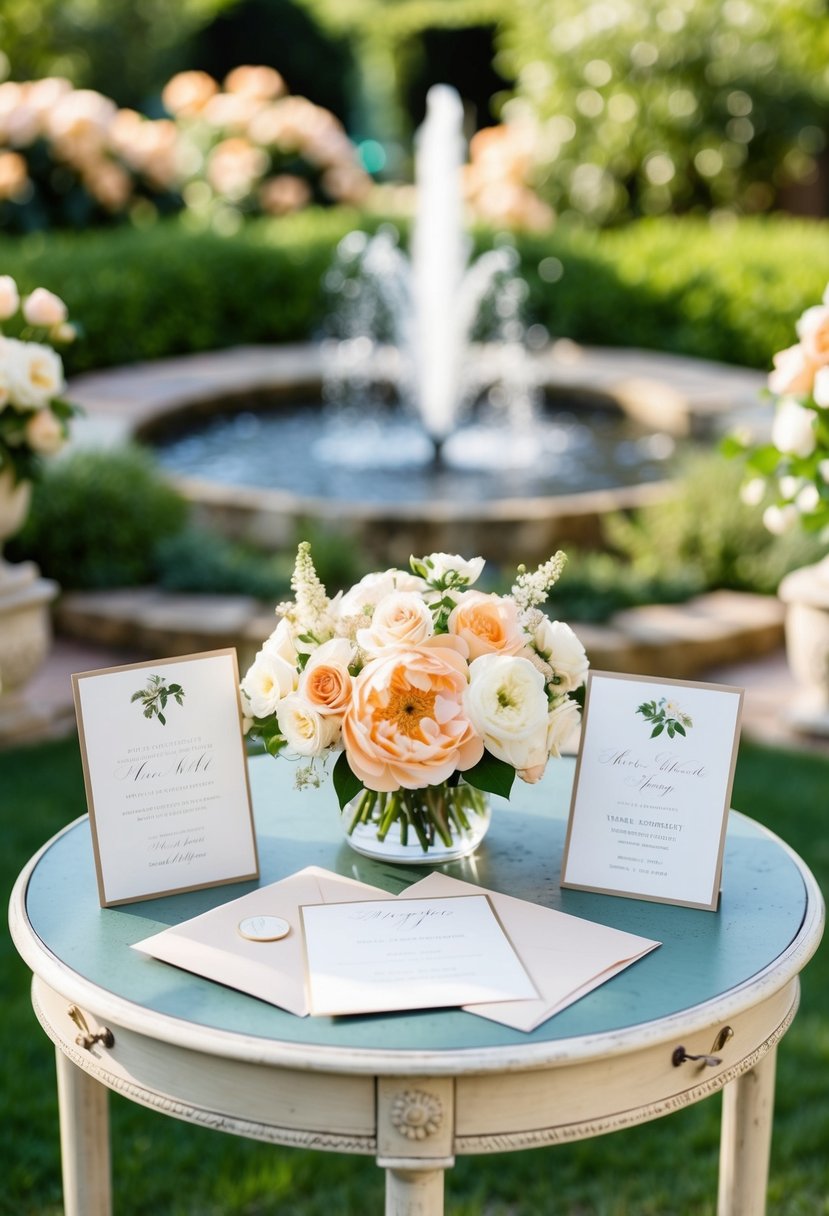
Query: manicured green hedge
[723,292]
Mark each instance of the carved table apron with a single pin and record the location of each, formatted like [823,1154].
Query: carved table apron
[703,1012]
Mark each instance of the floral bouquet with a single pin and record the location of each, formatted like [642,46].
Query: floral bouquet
[429,693]
[794,464]
[34,416]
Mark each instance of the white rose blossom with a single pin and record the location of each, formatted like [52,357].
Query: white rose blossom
[443,568]
[820,389]
[268,681]
[562,720]
[305,730]
[401,619]
[281,643]
[559,646]
[780,519]
[506,703]
[793,429]
[34,374]
[364,596]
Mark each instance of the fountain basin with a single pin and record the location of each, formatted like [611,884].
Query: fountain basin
[678,395]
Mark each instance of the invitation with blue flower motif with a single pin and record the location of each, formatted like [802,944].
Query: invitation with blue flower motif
[652,789]
[166,776]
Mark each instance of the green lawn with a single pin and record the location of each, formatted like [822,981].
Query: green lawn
[167,1168]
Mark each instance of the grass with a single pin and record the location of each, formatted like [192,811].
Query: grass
[666,1168]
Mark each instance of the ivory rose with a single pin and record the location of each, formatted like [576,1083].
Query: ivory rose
[487,623]
[401,619]
[44,308]
[558,645]
[507,705]
[364,596]
[407,725]
[267,682]
[281,643]
[305,729]
[442,565]
[34,373]
[326,681]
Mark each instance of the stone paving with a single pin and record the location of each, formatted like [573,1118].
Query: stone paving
[722,637]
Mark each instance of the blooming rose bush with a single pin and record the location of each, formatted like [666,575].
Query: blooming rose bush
[34,417]
[794,464]
[414,679]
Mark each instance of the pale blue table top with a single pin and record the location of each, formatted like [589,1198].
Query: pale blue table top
[704,954]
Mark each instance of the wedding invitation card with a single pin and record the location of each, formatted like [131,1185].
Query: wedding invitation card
[381,955]
[652,789]
[166,776]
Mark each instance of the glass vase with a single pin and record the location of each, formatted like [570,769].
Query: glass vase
[418,827]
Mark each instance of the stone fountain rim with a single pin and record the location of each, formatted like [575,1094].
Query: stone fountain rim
[684,396]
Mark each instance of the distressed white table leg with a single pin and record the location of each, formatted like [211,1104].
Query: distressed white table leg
[414,1192]
[745,1141]
[84,1141]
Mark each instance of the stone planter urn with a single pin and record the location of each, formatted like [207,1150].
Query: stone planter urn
[805,593]
[25,623]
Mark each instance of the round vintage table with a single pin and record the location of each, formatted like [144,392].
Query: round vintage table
[723,988]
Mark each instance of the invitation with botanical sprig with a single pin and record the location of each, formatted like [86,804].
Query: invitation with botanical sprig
[166,776]
[652,789]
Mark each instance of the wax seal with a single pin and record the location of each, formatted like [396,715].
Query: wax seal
[264,928]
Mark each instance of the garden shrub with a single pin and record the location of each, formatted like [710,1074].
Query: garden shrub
[646,107]
[96,517]
[672,284]
[707,534]
[195,560]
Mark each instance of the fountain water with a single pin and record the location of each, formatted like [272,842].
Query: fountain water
[411,320]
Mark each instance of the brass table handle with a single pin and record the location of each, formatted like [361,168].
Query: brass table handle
[680,1055]
[87,1038]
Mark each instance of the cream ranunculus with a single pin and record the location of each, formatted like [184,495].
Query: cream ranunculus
[441,565]
[44,308]
[401,619]
[407,725]
[326,682]
[306,730]
[487,623]
[793,429]
[364,596]
[44,433]
[34,374]
[507,704]
[9,298]
[268,681]
[558,645]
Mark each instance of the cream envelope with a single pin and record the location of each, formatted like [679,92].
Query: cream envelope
[211,945]
[566,957]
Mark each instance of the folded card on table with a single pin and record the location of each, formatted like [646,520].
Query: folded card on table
[211,944]
[565,957]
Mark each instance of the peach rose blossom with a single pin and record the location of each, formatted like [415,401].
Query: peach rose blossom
[261,83]
[284,193]
[487,623]
[44,433]
[44,308]
[401,619]
[14,175]
[187,93]
[793,372]
[326,681]
[406,725]
[813,331]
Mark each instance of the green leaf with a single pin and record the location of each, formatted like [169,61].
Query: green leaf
[679,728]
[670,730]
[149,711]
[491,775]
[346,784]
[657,730]
[162,719]
[174,688]
[136,696]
